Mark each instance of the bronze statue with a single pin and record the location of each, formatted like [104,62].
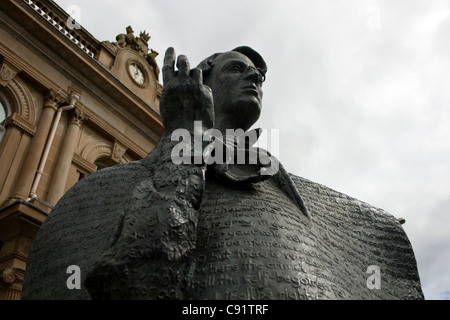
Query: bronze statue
[156,229]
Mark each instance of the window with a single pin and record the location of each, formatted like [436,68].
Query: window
[4,114]
[100,165]
[81,175]
[103,163]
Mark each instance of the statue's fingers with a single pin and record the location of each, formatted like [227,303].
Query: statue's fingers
[183,65]
[169,63]
[197,75]
[205,112]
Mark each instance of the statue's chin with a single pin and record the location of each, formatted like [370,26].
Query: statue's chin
[248,116]
[241,114]
[250,120]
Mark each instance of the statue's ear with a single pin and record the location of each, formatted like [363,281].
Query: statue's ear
[207,64]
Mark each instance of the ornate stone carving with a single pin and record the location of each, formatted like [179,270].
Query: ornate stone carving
[97,148]
[118,151]
[16,120]
[83,163]
[139,44]
[7,73]
[77,116]
[23,102]
[11,286]
[52,100]
[8,275]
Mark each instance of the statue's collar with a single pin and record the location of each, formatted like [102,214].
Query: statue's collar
[240,161]
[263,167]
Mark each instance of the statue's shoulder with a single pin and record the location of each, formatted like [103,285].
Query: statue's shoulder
[105,183]
[101,195]
[79,229]
[322,199]
[365,236]
[118,174]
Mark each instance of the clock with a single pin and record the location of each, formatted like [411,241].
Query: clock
[136,73]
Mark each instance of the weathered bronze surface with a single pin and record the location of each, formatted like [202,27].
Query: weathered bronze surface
[153,229]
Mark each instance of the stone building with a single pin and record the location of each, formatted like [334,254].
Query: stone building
[69,105]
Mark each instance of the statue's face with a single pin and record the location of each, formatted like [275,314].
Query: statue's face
[237,89]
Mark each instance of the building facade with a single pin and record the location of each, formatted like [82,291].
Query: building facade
[69,105]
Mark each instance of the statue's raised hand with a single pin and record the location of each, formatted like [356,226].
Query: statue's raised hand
[185,98]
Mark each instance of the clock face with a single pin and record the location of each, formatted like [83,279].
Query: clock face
[136,73]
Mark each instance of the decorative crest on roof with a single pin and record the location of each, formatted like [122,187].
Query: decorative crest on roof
[139,44]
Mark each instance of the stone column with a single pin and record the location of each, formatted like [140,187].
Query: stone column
[61,173]
[31,162]
[10,286]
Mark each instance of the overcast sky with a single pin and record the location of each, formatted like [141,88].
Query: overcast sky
[358,89]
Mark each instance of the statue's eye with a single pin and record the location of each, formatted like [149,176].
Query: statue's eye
[235,68]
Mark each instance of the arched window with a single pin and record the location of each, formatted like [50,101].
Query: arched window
[103,163]
[4,114]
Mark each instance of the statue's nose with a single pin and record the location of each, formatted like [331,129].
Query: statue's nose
[255,74]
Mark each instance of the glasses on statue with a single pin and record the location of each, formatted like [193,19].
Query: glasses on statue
[261,75]
[240,67]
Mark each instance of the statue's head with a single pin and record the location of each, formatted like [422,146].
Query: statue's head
[235,78]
